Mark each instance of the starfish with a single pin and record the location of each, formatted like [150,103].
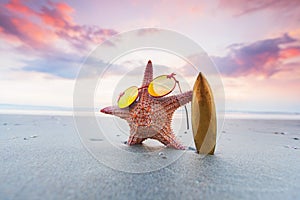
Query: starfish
[151,117]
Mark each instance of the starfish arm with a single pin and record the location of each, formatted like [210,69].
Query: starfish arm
[167,137]
[134,138]
[175,101]
[148,74]
[115,110]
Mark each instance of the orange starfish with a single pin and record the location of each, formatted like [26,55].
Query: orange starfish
[151,117]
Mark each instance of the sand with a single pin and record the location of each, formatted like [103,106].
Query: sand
[42,158]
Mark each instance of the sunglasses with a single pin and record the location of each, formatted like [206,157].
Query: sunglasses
[158,87]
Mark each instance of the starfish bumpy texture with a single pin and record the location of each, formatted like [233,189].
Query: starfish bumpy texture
[151,117]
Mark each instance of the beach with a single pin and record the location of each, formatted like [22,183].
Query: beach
[42,157]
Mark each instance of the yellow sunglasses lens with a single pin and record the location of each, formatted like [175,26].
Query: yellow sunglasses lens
[161,86]
[128,97]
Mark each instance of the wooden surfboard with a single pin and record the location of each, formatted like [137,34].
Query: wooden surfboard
[204,123]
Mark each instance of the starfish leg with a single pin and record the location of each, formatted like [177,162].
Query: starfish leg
[115,110]
[175,101]
[148,74]
[168,138]
[134,138]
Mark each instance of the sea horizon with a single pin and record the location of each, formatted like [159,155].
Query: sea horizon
[68,111]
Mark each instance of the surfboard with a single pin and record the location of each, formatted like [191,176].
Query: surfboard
[204,124]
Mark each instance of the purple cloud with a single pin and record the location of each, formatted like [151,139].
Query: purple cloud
[291,8]
[263,57]
[37,30]
[43,25]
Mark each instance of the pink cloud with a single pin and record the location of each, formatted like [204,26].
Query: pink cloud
[39,28]
[242,7]
[36,30]
[22,30]
[32,34]
[264,57]
[57,16]
[17,6]
[290,52]
[195,9]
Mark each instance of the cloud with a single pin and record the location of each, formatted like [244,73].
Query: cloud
[264,57]
[242,7]
[44,31]
[64,65]
[26,32]
[146,31]
[47,23]
[17,6]
[68,65]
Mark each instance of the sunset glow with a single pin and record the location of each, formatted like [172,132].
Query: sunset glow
[255,45]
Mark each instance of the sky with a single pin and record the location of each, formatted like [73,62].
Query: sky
[254,44]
